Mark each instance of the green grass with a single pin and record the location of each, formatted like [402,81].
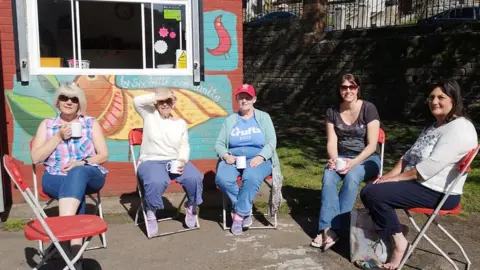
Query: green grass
[13,225]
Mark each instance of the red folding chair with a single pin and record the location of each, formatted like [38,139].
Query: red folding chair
[381,140]
[463,168]
[39,192]
[54,229]
[135,137]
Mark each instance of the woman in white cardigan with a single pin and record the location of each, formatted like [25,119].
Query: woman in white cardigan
[422,176]
[165,139]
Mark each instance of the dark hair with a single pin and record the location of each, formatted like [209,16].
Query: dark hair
[452,90]
[352,79]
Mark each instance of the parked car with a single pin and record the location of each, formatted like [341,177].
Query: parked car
[454,15]
[276,15]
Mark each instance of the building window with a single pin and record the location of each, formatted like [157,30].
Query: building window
[110,37]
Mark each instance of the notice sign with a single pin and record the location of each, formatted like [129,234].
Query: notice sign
[181,56]
[172,12]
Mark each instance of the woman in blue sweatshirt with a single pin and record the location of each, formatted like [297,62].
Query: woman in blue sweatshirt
[248,133]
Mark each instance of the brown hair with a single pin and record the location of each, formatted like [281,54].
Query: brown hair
[452,90]
[352,79]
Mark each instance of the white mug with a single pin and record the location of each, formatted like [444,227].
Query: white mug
[341,164]
[76,130]
[172,166]
[241,162]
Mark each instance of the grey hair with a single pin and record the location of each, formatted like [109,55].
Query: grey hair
[72,90]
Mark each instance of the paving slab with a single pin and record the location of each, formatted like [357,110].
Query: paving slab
[212,248]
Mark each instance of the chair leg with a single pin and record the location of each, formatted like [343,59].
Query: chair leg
[422,233]
[103,236]
[136,217]
[224,212]
[180,206]
[469,263]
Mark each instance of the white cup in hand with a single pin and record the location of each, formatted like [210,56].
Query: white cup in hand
[76,130]
[173,166]
[241,162]
[341,164]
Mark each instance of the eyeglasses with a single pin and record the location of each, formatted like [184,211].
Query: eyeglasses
[64,98]
[351,87]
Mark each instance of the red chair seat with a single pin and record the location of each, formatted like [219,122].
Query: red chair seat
[66,227]
[454,211]
[43,195]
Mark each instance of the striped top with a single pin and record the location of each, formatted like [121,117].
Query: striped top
[74,149]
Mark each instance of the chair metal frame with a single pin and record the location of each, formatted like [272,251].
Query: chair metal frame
[270,225]
[463,168]
[13,170]
[135,139]
[39,193]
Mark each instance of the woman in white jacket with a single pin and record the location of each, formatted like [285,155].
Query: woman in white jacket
[165,139]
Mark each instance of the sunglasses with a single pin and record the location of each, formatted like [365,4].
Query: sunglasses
[351,87]
[64,98]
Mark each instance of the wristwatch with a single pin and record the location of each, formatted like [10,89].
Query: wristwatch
[85,162]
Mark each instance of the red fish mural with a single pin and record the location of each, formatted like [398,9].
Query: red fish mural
[224,39]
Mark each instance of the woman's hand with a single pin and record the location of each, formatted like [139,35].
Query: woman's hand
[385,179]
[229,159]
[181,166]
[331,163]
[256,161]
[350,164]
[65,132]
[72,165]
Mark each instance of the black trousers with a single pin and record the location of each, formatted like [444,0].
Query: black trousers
[382,200]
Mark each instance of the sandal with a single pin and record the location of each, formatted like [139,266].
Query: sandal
[370,264]
[330,244]
[317,244]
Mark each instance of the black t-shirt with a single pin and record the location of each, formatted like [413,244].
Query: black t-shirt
[352,138]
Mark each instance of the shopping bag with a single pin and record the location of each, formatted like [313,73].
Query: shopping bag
[365,245]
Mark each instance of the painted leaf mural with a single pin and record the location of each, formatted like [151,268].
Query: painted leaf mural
[48,82]
[29,111]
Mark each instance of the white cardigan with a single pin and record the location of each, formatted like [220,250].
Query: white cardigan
[163,139]
[437,151]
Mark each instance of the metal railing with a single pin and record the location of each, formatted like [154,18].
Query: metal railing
[347,14]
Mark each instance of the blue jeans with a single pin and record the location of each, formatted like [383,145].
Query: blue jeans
[335,207]
[78,182]
[155,178]
[252,178]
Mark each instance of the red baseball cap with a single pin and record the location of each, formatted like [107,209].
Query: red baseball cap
[246,88]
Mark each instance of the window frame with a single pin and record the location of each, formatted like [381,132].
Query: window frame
[33,43]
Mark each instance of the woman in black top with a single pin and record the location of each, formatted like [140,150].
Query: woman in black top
[352,134]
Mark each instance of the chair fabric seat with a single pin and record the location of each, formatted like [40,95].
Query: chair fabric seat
[428,211]
[66,227]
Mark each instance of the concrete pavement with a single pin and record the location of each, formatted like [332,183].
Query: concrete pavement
[212,248]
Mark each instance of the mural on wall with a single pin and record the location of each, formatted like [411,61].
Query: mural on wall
[110,97]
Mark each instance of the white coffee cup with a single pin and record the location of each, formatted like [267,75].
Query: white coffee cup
[172,166]
[241,162]
[341,164]
[76,130]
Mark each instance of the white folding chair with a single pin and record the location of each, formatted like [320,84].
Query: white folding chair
[463,168]
[54,229]
[135,137]
[39,193]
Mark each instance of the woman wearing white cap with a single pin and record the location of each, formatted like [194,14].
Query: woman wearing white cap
[165,138]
